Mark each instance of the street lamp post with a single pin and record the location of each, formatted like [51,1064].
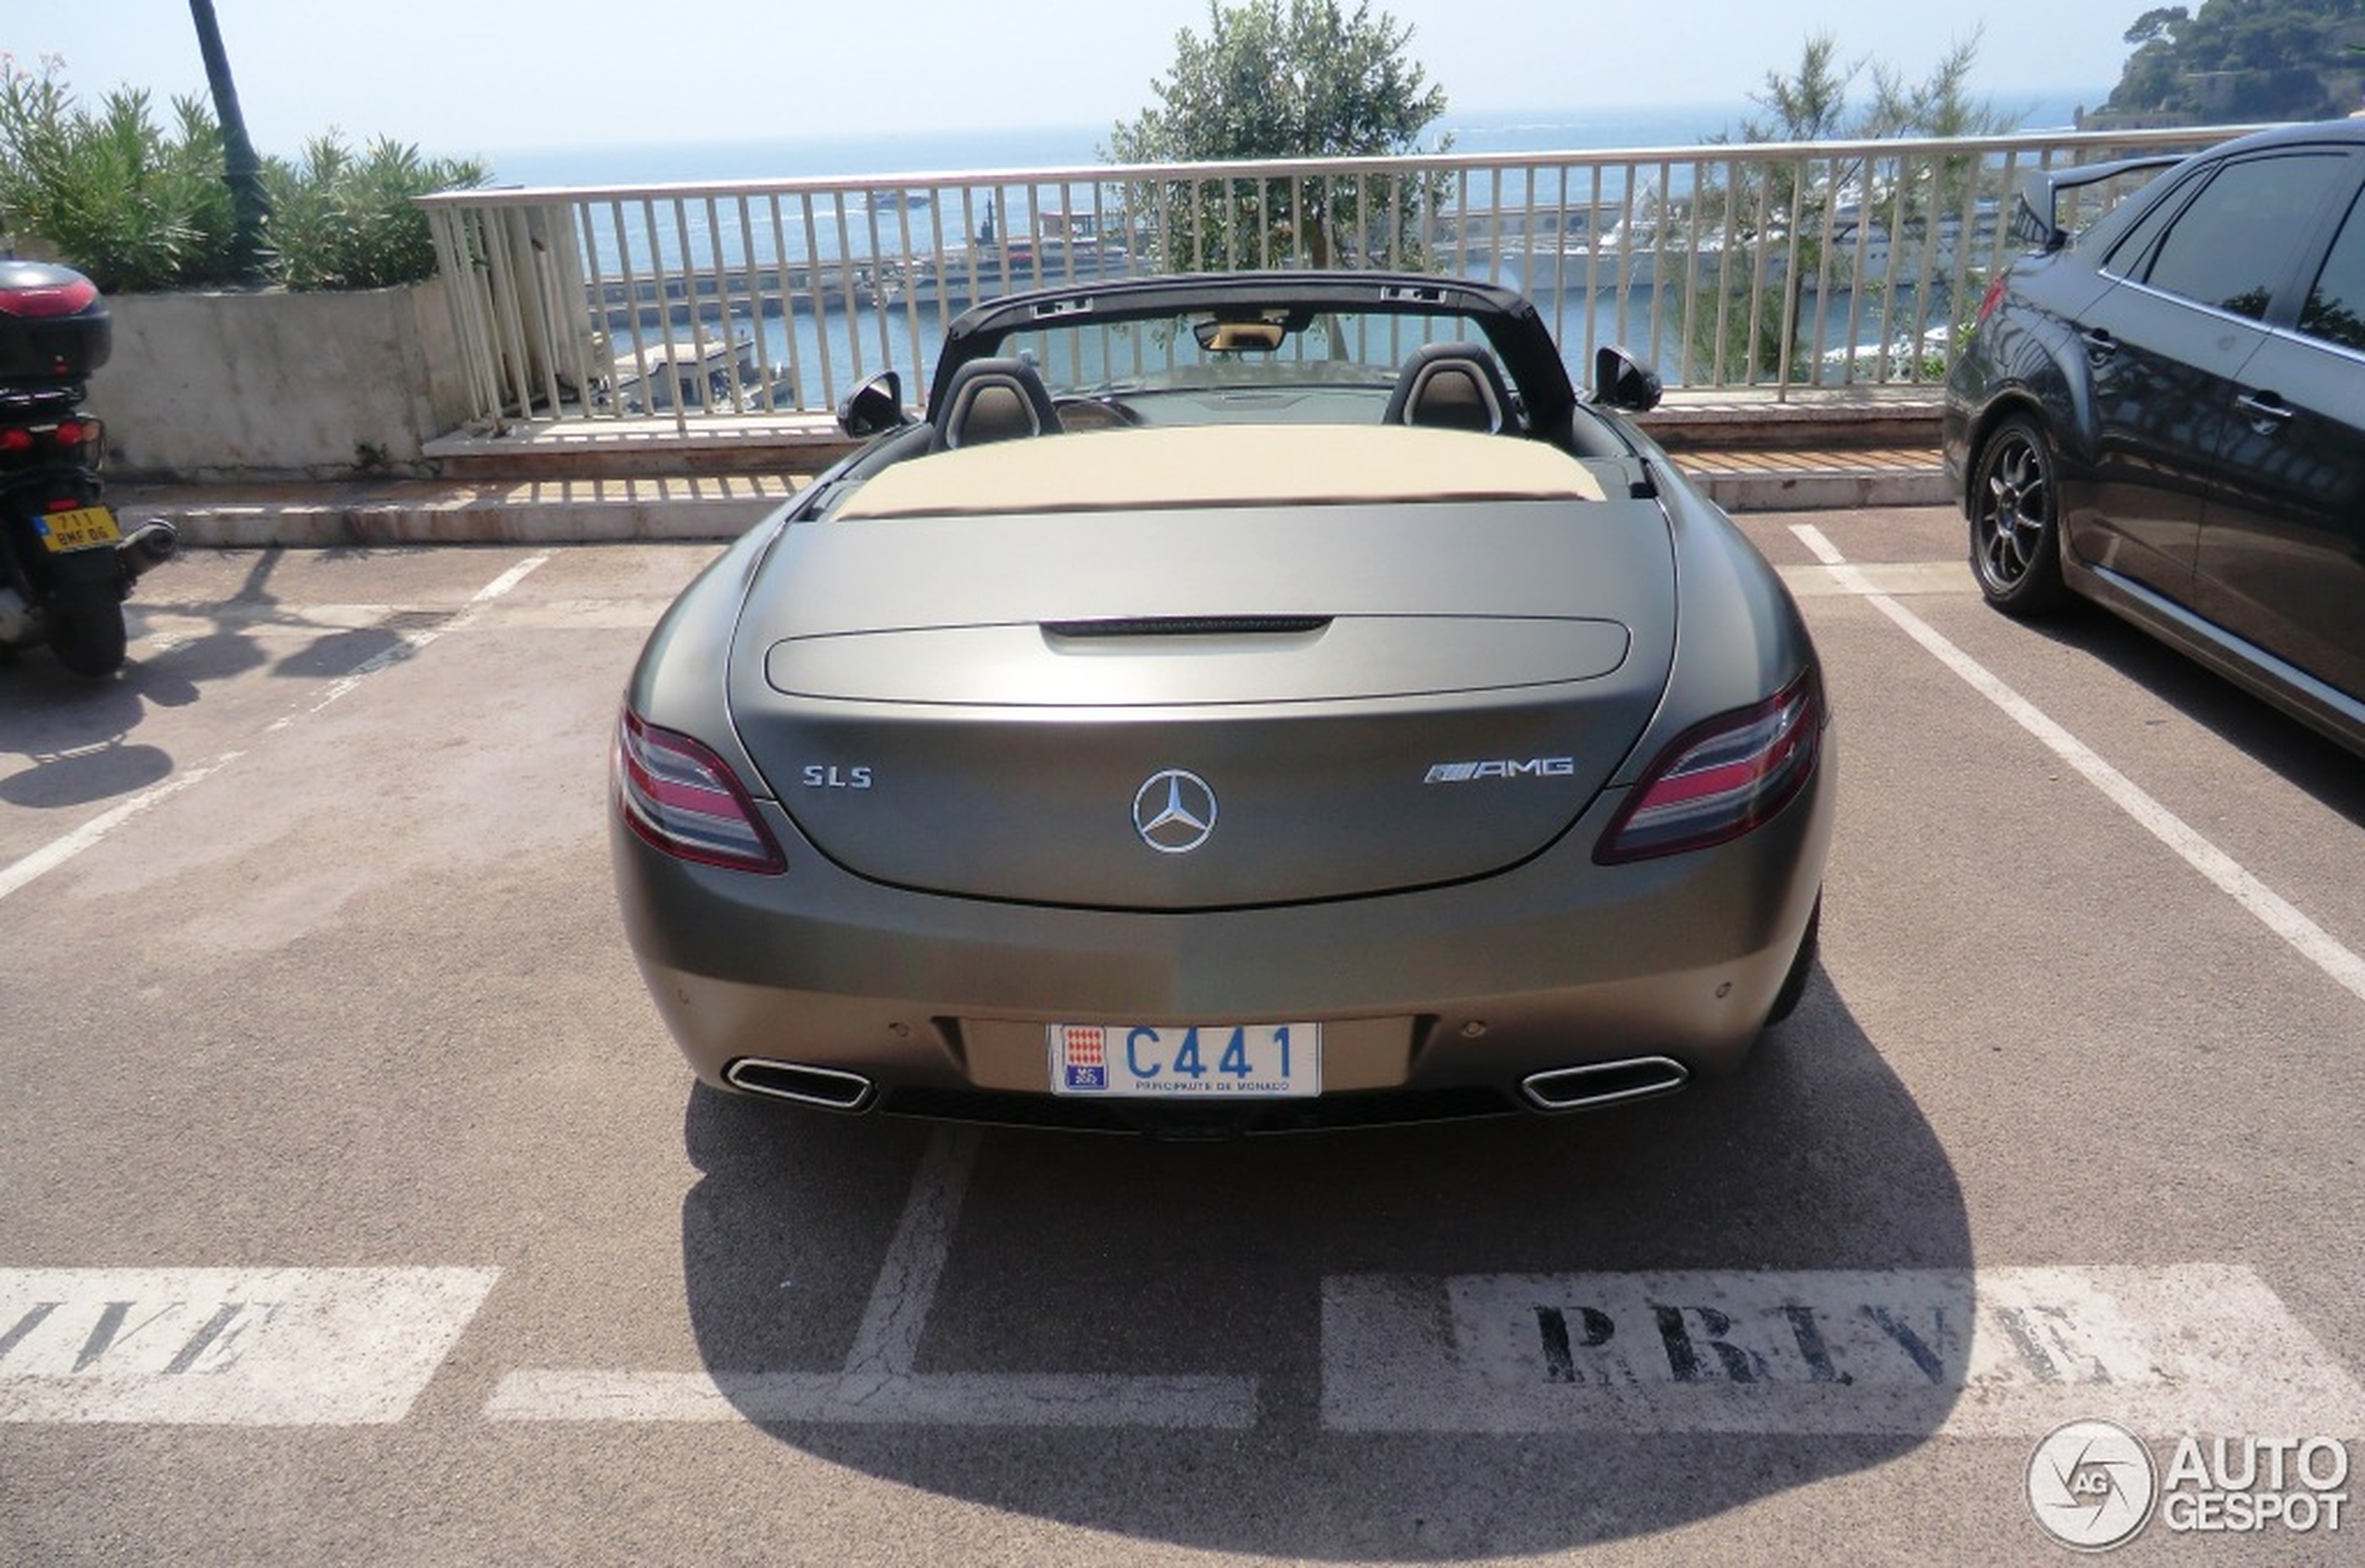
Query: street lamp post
[241,169]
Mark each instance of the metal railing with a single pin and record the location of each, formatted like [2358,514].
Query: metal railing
[1778,266]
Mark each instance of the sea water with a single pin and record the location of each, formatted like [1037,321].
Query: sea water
[817,356]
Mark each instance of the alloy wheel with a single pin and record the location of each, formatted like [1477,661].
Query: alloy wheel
[2015,532]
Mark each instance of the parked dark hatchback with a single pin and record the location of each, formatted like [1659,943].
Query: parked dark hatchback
[2167,415]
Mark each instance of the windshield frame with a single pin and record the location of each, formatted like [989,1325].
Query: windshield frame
[1504,318]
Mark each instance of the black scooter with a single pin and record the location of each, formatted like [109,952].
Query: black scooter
[66,566]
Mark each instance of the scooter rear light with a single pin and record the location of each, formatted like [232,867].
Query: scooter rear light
[14,441]
[683,799]
[1721,779]
[86,437]
[48,299]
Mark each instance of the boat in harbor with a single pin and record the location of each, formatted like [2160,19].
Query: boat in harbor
[721,373]
[1062,247]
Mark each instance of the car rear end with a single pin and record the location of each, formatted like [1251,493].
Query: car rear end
[2018,341]
[1228,809]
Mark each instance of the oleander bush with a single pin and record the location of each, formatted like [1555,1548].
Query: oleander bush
[109,191]
[343,219]
[141,206]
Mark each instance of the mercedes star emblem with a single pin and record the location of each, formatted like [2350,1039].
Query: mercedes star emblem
[1174,812]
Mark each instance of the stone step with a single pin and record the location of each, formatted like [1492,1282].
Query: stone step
[1876,419]
[577,449]
[723,506]
[388,512]
[1819,479]
[607,480]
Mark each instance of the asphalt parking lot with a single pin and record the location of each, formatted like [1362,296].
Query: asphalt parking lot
[358,1209]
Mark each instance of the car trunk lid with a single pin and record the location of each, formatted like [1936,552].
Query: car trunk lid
[1176,709]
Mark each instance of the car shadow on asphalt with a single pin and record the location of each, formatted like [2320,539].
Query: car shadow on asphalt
[1078,1258]
[2248,724]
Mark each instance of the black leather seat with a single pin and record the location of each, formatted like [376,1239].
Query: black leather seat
[1451,386]
[993,400]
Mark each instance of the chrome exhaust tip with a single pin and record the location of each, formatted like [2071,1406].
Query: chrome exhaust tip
[146,547]
[1604,1083]
[828,1087]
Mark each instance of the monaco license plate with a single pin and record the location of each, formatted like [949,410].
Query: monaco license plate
[78,529]
[1206,1062]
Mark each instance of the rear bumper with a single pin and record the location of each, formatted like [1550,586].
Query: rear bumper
[1446,996]
[1957,418]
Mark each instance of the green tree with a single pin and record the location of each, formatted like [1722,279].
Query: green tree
[1284,79]
[2158,25]
[1796,216]
[2243,60]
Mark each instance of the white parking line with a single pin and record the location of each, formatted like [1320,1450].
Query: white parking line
[58,851]
[887,1344]
[1997,1352]
[1910,578]
[878,1384]
[2311,941]
[409,642]
[1177,1403]
[227,1347]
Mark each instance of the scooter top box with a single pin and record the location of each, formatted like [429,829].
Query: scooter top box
[53,325]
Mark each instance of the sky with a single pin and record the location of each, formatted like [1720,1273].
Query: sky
[468,77]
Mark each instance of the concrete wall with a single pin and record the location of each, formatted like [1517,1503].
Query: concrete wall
[269,384]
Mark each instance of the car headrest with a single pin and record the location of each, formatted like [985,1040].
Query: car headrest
[1451,386]
[992,400]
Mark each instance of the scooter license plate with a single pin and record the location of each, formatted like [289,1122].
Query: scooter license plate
[76,530]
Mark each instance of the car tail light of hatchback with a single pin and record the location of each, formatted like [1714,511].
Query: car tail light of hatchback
[1993,297]
[1722,778]
[683,799]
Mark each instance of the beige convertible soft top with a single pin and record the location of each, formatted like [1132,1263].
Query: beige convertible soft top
[1223,466]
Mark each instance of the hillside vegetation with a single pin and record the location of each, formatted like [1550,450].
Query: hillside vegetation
[2245,60]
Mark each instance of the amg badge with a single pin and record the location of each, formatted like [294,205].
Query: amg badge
[1531,767]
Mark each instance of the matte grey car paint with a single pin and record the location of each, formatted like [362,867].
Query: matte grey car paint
[987,878]
[1000,753]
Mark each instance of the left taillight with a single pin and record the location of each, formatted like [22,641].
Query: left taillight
[683,799]
[1722,778]
[1993,297]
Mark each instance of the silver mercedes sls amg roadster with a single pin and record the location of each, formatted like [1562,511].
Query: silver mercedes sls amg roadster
[1242,702]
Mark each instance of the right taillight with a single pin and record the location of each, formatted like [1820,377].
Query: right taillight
[1721,778]
[682,798]
[84,437]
